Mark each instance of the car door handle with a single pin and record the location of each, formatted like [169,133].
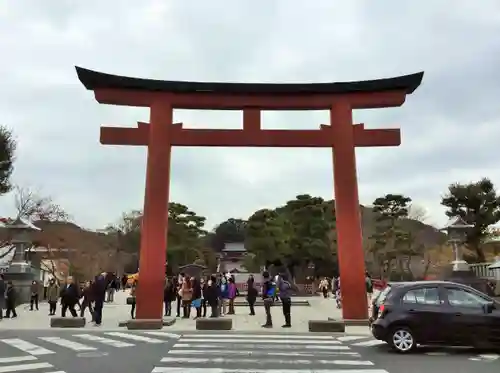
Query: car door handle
[458,314]
[412,310]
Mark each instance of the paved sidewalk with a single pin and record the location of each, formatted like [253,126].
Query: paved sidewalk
[117,311]
[36,320]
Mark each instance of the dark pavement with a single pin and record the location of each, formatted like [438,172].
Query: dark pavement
[72,351]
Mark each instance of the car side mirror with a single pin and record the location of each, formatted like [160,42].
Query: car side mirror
[489,307]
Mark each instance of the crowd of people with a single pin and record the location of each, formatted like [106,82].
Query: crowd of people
[88,297]
[217,293]
[332,285]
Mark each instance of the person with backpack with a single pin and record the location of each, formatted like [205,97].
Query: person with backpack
[268,295]
[285,293]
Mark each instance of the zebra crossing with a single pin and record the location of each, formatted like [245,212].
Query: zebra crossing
[256,353]
[27,363]
[85,342]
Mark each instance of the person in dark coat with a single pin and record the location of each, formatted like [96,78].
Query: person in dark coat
[70,294]
[87,299]
[169,294]
[10,300]
[212,295]
[2,295]
[34,295]
[203,284]
[99,295]
[196,297]
[252,294]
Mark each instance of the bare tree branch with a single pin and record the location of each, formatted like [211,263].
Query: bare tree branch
[418,213]
[31,205]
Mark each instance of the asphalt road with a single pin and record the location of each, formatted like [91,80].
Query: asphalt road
[70,351]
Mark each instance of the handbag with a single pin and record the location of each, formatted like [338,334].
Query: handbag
[196,303]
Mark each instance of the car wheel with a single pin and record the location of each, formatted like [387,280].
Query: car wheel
[402,340]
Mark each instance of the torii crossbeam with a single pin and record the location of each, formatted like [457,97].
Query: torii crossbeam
[160,134]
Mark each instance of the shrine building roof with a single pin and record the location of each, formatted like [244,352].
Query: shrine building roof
[97,80]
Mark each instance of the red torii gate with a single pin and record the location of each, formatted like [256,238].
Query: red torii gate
[160,134]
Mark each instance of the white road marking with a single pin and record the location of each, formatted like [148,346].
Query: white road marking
[252,346]
[372,342]
[28,347]
[348,338]
[485,357]
[262,353]
[75,346]
[263,336]
[16,359]
[106,341]
[231,360]
[21,367]
[221,370]
[263,340]
[135,337]
[163,334]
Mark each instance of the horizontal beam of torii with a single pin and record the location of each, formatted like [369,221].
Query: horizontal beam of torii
[179,136]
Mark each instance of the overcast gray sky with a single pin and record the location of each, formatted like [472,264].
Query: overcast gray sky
[450,125]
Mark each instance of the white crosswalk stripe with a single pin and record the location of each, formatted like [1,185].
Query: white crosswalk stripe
[25,363]
[369,343]
[106,341]
[26,346]
[135,337]
[224,353]
[82,342]
[72,345]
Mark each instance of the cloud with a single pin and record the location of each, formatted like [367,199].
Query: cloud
[450,125]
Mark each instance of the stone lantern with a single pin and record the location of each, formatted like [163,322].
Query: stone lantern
[457,229]
[20,270]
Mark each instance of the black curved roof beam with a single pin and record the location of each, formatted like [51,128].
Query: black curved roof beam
[96,80]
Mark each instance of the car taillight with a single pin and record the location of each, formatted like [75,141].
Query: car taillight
[382,310]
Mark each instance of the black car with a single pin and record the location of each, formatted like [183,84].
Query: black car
[406,314]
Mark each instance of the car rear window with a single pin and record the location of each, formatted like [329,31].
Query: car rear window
[383,295]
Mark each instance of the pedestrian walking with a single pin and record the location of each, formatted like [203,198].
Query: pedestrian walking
[87,300]
[34,295]
[70,295]
[99,294]
[10,300]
